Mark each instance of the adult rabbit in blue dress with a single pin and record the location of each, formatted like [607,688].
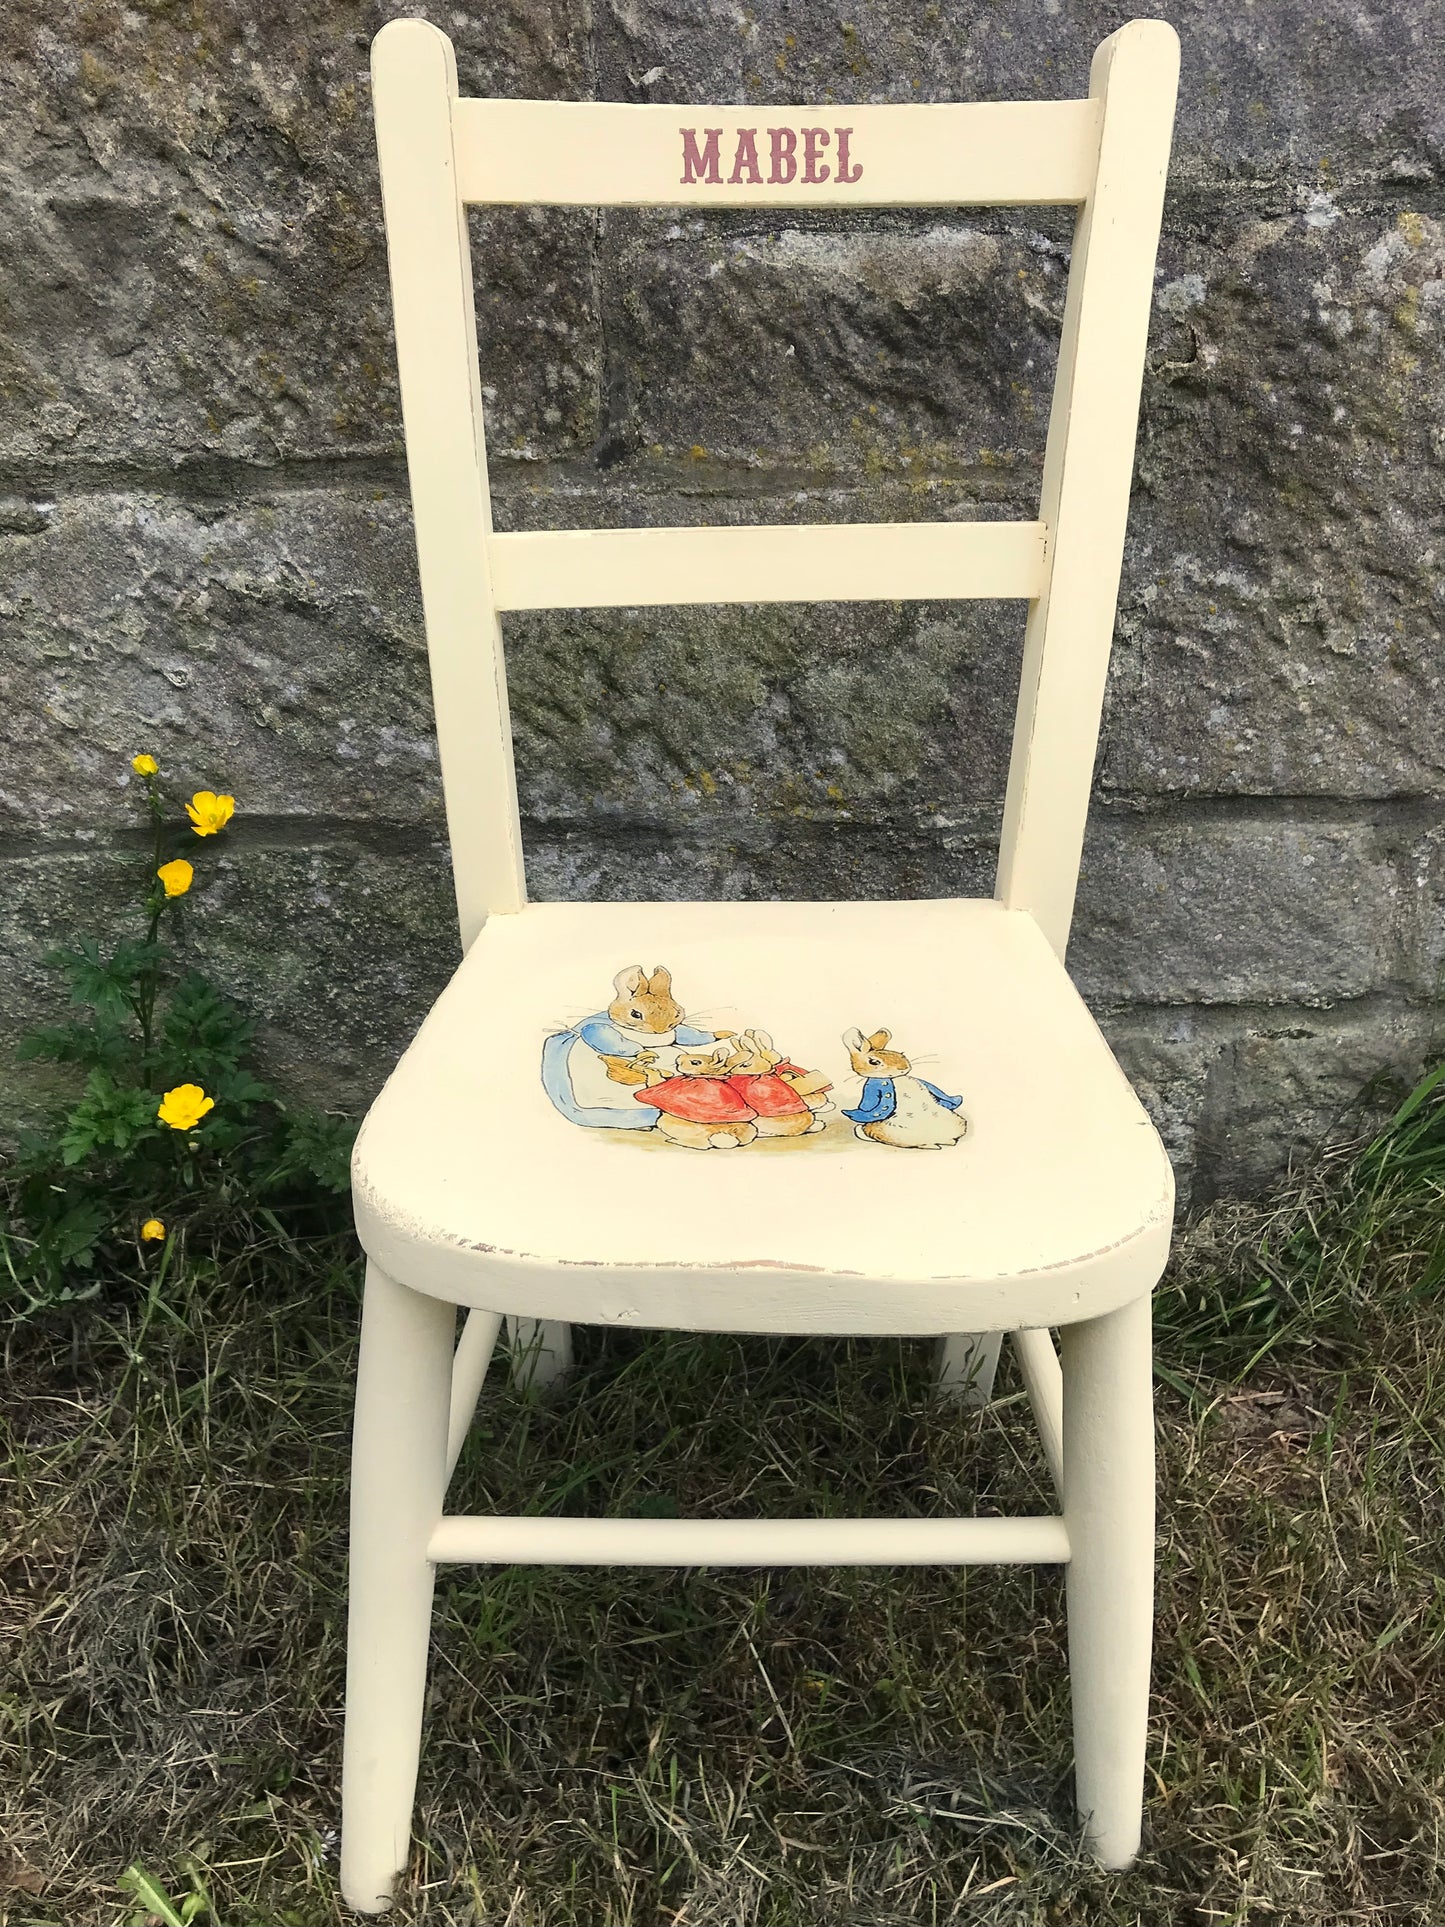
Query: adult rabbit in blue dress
[586,1071]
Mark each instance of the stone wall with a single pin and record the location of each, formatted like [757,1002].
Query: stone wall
[205,546]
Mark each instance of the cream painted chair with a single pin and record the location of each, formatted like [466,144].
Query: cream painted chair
[472,1189]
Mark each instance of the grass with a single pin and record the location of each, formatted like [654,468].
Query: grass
[742,1749]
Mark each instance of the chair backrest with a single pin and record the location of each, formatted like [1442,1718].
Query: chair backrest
[1106,155]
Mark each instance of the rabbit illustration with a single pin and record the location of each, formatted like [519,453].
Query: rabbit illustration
[896,1107]
[761,1077]
[586,1070]
[697,1104]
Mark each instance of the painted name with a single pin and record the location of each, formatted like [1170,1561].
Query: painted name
[808,155]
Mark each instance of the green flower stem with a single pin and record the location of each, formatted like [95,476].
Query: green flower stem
[148,984]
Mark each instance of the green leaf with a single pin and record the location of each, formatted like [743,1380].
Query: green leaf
[1427,1085]
[1393,1631]
[202,1031]
[110,1116]
[56,1044]
[60,1225]
[108,984]
[147,1890]
[318,1146]
[237,1088]
[104,1044]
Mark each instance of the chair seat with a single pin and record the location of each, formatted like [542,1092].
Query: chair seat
[471,1184]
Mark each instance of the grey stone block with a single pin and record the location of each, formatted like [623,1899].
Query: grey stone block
[856,714]
[1278,1089]
[338,948]
[539,332]
[821,348]
[1281,615]
[1282,610]
[1319,93]
[272,649]
[1237,1098]
[742,859]
[1218,911]
[190,235]
[1425,894]
[339,951]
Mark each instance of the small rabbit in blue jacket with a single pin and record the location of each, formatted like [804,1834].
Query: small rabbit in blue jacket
[897,1108]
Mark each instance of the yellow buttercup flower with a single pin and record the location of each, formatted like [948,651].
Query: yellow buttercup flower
[209,812]
[144,765]
[153,1230]
[176,876]
[184,1107]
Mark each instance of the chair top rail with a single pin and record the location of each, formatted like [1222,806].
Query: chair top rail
[602,154]
[816,562]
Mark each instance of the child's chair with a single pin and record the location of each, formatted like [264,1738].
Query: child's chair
[488,1178]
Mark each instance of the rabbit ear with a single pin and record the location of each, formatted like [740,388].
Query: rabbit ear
[660,982]
[761,1039]
[853,1039]
[627,982]
[879,1039]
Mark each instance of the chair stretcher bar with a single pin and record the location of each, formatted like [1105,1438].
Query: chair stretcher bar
[749,1542]
[848,562]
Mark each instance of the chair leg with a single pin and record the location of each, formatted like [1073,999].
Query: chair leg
[964,1365]
[398,1480]
[541,1352]
[1109,1511]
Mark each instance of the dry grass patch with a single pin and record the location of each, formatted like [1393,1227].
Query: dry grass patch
[742,1749]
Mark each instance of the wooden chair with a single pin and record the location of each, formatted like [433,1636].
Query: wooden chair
[474,1188]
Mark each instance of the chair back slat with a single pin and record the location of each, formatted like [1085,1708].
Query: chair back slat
[598,154]
[1107,155]
[821,562]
